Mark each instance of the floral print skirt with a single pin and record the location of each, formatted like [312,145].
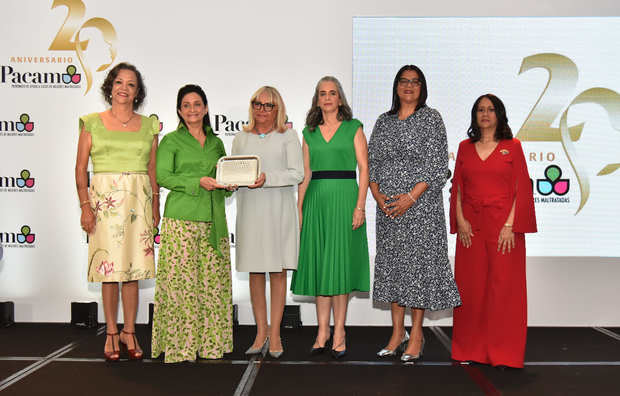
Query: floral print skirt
[193,294]
[121,248]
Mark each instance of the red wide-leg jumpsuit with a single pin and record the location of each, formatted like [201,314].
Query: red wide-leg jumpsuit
[491,325]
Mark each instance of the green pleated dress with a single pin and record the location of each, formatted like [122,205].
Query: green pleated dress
[333,258]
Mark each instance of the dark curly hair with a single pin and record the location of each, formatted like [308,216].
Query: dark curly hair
[106,87]
[189,88]
[502,131]
[315,115]
[423,89]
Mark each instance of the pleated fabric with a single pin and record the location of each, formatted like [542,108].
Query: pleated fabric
[333,258]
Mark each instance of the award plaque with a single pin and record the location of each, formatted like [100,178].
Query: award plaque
[242,170]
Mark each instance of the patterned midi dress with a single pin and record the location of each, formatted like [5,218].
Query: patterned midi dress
[411,265]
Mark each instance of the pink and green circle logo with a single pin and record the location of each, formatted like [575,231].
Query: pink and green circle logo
[156,117]
[553,182]
[156,236]
[71,76]
[26,235]
[24,123]
[25,180]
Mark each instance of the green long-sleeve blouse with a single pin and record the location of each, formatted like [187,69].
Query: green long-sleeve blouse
[181,162]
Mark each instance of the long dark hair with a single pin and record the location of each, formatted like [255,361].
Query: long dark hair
[106,87]
[502,131]
[315,115]
[189,88]
[423,89]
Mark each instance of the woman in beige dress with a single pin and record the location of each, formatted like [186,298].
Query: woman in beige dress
[267,224]
[121,205]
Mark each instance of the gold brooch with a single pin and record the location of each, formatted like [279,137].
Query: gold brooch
[504,151]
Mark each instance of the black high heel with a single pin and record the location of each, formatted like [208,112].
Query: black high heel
[320,350]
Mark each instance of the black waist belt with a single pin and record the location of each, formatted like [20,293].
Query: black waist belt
[333,174]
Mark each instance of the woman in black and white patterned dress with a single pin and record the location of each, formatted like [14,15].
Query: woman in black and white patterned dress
[408,158]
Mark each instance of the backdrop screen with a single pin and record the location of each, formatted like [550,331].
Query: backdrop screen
[559,79]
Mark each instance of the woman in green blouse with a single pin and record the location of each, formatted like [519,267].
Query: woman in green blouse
[193,295]
[121,206]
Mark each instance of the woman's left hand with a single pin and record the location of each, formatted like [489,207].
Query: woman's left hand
[401,203]
[359,216]
[506,240]
[156,216]
[259,182]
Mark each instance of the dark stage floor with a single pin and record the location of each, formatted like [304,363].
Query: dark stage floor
[57,359]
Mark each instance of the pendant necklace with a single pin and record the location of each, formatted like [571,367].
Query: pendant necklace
[124,124]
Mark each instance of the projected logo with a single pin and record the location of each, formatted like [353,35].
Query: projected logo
[24,238]
[561,84]
[68,39]
[156,117]
[156,236]
[22,183]
[71,76]
[24,126]
[553,182]
[46,78]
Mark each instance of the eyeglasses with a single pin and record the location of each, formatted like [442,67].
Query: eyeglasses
[266,106]
[414,81]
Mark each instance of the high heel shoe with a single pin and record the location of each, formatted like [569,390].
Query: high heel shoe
[399,349]
[135,353]
[407,358]
[277,354]
[339,354]
[256,351]
[115,355]
[320,350]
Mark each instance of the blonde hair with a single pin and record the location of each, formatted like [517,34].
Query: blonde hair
[275,98]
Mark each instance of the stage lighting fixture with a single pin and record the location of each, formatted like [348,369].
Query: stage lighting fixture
[291,319]
[7,313]
[84,314]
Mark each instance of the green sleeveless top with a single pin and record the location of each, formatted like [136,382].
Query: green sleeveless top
[119,151]
[338,153]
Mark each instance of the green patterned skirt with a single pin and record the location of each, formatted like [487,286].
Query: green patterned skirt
[193,294]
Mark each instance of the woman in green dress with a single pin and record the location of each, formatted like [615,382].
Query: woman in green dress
[121,206]
[193,294]
[333,253]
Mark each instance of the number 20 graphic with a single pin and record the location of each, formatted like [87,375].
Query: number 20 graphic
[562,81]
[71,27]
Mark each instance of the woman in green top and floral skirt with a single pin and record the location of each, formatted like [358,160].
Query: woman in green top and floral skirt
[333,251]
[121,206]
[193,294]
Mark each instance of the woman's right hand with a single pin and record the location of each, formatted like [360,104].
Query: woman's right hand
[464,232]
[381,198]
[209,183]
[88,219]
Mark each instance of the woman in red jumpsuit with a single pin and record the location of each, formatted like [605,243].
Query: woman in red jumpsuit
[491,207]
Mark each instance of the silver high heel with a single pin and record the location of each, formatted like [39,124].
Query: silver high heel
[407,358]
[401,347]
[277,354]
[255,351]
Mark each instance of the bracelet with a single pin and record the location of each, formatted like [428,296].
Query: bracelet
[362,209]
[84,203]
[155,193]
[507,225]
[411,196]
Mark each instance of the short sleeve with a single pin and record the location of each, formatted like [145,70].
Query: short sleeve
[86,122]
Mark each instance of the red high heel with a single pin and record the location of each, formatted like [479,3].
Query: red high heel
[115,355]
[134,354]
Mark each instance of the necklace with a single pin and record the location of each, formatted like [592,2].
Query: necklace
[124,124]
[261,135]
